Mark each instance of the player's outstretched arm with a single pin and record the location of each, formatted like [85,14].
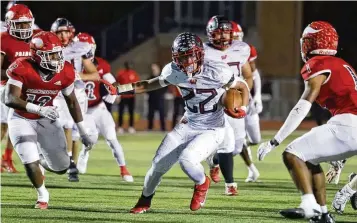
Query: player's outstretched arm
[296,115]
[141,86]
[247,74]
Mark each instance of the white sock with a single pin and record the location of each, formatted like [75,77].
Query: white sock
[252,168]
[308,198]
[70,153]
[353,184]
[42,194]
[324,209]
[117,150]
[348,188]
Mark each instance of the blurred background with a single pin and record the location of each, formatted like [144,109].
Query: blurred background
[140,34]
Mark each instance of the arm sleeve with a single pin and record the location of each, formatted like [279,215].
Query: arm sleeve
[166,76]
[257,83]
[296,115]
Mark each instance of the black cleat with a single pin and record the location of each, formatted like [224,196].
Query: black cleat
[73,175]
[324,218]
[293,213]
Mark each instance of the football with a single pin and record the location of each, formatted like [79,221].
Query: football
[232,98]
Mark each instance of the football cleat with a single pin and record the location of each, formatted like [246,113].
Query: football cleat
[231,189]
[324,218]
[252,176]
[8,165]
[41,205]
[354,196]
[341,198]
[125,174]
[73,174]
[305,210]
[142,206]
[199,195]
[214,174]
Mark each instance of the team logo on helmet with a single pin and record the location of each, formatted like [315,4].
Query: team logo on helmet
[37,42]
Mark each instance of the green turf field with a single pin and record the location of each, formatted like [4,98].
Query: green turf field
[101,196]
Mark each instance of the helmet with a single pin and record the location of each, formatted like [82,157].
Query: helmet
[10,4]
[318,38]
[86,38]
[238,33]
[219,24]
[19,21]
[187,53]
[46,51]
[62,24]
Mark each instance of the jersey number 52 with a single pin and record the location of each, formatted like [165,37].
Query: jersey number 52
[201,105]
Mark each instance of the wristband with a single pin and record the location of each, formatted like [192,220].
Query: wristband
[32,108]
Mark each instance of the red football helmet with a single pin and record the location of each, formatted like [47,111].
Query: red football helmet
[86,38]
[238,33]
[46,50]
[318,38]
[219,32]
[19,21]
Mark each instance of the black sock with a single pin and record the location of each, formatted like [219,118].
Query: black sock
[215,159]
[226,165]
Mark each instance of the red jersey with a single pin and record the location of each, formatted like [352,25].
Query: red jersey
[126,77]
[22,73]
[93,87]
[339,92]
[13,48]
[253,53]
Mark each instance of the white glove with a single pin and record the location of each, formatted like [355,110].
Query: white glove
[85,138]
[87,142]
[258,103]
[110,98]
[333,174]
[49,112]
[264,149]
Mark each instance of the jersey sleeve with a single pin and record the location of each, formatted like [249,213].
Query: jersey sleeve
[245,53]
[314,67]
[16,74]
[168,75]
[253,53]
